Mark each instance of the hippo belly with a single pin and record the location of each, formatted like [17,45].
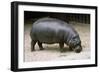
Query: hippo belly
[47,36]
[46,33]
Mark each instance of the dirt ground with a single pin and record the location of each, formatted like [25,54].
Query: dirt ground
[52,51]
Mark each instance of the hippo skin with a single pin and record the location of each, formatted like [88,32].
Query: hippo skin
[52,30]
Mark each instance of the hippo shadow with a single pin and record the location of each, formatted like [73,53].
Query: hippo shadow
[57,49]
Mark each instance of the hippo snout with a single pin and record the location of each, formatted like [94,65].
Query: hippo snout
[78,49]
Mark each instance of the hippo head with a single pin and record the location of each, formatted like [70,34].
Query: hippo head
[75,44]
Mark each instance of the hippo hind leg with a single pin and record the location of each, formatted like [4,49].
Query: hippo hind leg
[33,45]
[61,46]
[40,45]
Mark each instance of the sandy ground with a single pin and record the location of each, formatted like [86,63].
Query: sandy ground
[52,51]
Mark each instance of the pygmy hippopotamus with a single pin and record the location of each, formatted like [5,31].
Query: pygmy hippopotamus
[52,30]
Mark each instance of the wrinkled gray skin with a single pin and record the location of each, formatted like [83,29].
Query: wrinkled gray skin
[51,30]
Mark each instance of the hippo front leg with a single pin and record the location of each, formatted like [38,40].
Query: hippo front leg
[61,45]
[32,45]
[70,48]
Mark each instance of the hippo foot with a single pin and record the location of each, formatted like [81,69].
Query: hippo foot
[32,50]
[62,50]
[70,49]
[41,48]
